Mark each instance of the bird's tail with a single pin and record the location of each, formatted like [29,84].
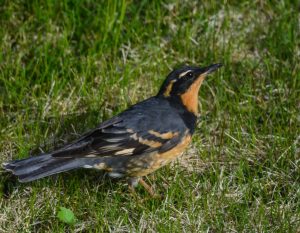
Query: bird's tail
[37,167]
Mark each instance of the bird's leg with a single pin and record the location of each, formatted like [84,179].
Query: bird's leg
[148,188]
[132,183]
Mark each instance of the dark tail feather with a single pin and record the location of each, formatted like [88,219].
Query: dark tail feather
[37,167]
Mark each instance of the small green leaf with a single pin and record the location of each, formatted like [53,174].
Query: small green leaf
[66,215]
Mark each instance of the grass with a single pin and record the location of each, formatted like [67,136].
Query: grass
[65,66]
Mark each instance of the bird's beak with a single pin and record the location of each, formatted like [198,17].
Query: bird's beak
[207,70]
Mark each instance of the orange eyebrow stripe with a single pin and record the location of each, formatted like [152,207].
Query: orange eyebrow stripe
[168,135]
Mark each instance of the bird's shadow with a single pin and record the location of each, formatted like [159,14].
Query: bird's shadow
[63,129]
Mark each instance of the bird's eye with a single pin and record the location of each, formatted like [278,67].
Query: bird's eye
[189,74]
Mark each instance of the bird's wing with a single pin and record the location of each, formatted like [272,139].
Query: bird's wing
[144,128]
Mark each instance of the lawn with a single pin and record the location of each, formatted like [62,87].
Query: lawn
[65,66]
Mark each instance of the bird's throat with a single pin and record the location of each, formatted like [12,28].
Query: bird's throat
[190,98]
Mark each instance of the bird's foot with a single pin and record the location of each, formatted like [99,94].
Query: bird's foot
[135,181]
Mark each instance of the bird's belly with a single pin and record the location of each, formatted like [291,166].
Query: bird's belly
[148,163]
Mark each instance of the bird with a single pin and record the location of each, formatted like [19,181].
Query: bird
[134,143]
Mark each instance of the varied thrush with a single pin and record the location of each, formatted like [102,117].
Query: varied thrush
[136,142]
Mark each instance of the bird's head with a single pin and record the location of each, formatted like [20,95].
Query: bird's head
[184,83]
